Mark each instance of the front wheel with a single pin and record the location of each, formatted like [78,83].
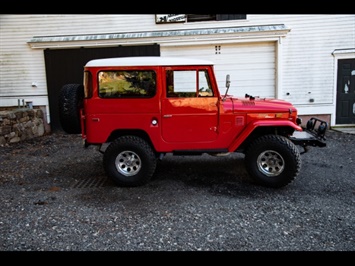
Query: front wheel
[272,161]
[129,161]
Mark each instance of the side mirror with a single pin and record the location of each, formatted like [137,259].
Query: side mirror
[228,81]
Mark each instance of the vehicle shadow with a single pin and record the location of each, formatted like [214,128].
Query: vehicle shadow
[219,175]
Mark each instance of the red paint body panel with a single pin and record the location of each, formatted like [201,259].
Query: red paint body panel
[197,123]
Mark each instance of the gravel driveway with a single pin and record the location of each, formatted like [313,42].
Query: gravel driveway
[55,197]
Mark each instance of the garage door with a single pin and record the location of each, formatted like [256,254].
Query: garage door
[251,66]
[65,66]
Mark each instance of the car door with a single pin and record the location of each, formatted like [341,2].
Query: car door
[189,106]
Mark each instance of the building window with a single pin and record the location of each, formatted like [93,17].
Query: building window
[214,17]
[180,18]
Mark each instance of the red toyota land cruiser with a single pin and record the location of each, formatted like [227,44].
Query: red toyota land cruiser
[137,109]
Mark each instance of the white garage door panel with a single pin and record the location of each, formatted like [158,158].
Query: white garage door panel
[251,66]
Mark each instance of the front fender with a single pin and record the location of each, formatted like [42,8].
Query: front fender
[261,123]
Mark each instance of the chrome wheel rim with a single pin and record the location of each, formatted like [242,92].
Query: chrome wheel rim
[128,163]
[270,163]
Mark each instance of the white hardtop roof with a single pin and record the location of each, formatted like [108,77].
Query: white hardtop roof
[147,61]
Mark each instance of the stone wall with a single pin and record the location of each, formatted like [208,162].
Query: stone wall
[21,124]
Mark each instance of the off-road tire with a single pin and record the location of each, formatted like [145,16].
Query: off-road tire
[272,161]
[129,161]
[70,102]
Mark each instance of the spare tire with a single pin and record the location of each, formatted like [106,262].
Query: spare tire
[70,102]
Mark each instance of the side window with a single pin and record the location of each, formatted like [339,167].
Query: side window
[87,84]
[188,83]
[123,84]
[204,88]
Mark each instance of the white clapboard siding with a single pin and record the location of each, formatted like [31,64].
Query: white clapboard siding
[306,65]
[23,67]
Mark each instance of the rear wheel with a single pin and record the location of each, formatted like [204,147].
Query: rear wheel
[273,161]
[129,161]
[70,102]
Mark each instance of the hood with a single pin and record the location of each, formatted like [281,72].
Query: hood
[256,105]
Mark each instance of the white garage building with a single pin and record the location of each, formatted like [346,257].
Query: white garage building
[306,59]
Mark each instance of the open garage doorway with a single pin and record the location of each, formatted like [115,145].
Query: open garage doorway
[65,66]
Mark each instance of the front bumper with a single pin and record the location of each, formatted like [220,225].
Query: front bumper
[312,135]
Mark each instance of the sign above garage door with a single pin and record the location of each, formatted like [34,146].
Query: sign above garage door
[169,18]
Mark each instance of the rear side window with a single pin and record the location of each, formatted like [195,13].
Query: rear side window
[127,84]
[87,85]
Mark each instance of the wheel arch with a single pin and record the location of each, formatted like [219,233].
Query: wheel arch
[132,132]
[259,131]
